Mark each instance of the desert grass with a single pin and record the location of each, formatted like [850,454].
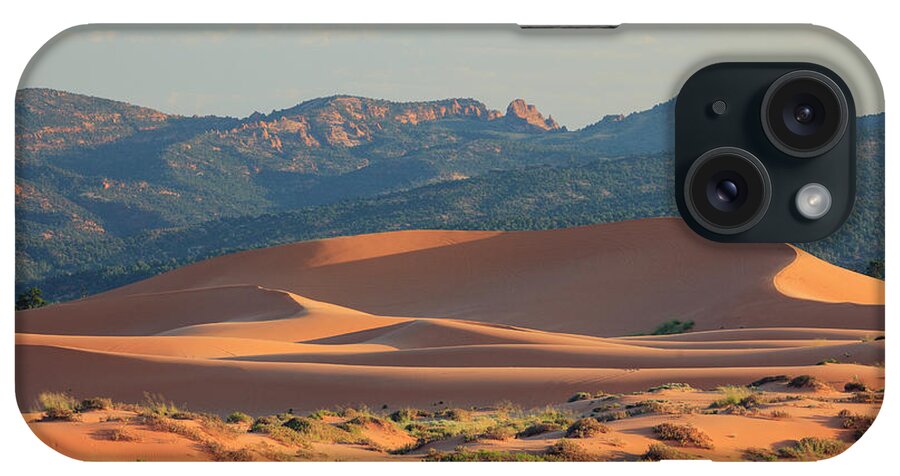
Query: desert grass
[685,435]
[586,428]
[58,406]
[858,423]
[661,452]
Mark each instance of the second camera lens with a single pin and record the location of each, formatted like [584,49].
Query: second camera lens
[804,113]
[727,190]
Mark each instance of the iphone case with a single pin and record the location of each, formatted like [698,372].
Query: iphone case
[445,243]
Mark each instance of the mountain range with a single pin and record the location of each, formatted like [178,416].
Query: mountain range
[108,192]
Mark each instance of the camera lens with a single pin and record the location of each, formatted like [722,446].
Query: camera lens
[727,190]
[804,113]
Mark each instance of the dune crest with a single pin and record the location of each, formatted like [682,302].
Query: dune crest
[810,278]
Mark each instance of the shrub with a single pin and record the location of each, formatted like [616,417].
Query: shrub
[683,387]
[686,435]
[96,403]
[855,385]
[568,450]
[770,379]
[737,397]
[673,327]
[239,417]
[156,404]
[812,448]
[118,434]
[455,414]
[858,423]
[220,453]
[497,432]
[779,414]
[265,423]
[58,406]
[580,396]
[827,361]
[404,415]
[613,416]
[803,381]
[538,429]
[321,414]
[660,452]
[462,454]
[760,454]
[586,428]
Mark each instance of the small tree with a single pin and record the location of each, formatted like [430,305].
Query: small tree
[30,299]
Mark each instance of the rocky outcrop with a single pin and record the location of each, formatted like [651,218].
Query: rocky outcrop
[521,113]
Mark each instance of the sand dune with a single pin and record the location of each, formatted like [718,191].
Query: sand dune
[808,277]
[261,387]
[587,280]
[431,318]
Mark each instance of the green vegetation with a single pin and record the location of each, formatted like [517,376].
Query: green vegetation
[32,298]
[673,327]
[855,385]
[858,423]
[812,449]
[462,454]
[736,396]
[568,450]
[239,417]
[770,379]
[580,396]
[804,381]
[58,406]
[681,387]
[586,428]
[686,435]
[661,452]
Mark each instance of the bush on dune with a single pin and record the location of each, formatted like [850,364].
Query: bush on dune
[568,450]
[686,435]
[673,327]
[586,428]
[661,452]
[238,417]
[58,406]
[812,449]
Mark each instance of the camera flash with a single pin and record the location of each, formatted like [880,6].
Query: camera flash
[813,201]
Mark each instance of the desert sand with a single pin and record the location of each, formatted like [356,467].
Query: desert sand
[444,319]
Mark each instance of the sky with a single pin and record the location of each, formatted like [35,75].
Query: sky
[575,75]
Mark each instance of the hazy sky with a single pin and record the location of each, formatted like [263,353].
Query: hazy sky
[576,75]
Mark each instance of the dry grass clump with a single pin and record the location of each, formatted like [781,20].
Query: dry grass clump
[118,434]
[538,429]
[58,406]
[499,432]
[586,428]
[812,449]
[238,417]
[463,454]
[579,396]
[682,387]
[779,414]
[664,407]
[760,454]
[219,452]
[568,450]
[95,403]
[858,423]
[455,414]
[686,435]
[805,381]
[660,452]
[769,379]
